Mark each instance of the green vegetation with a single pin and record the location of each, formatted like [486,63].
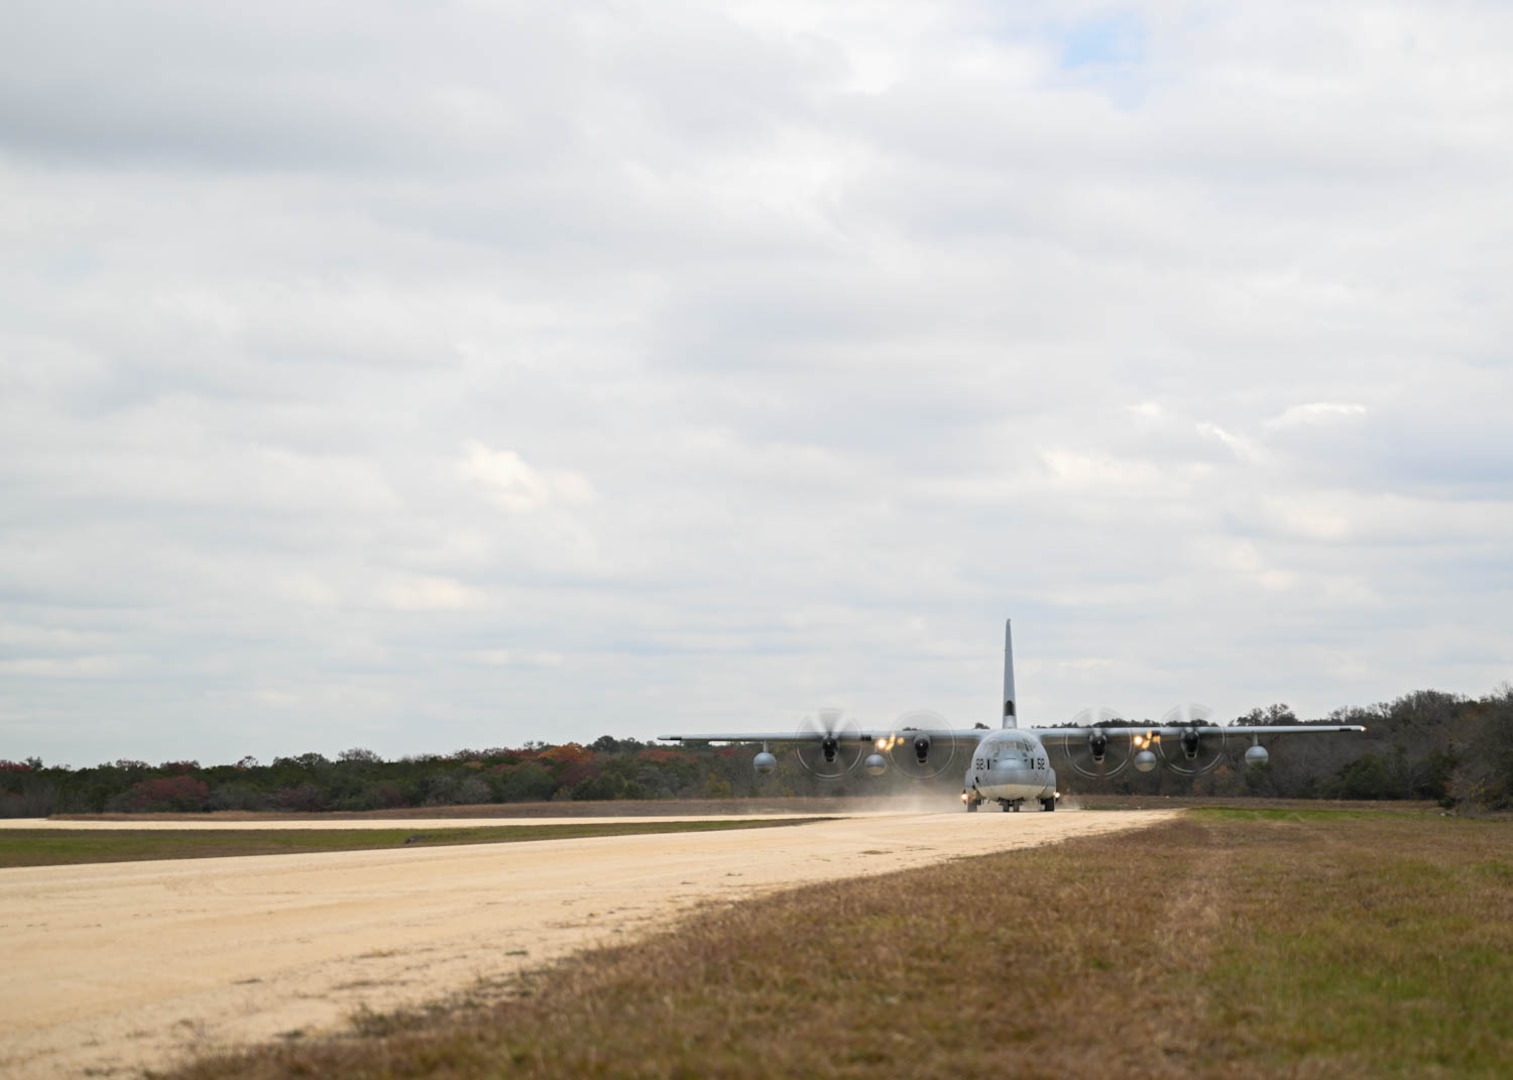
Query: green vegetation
[1426,745]
[1454,750]
[359,780]
[1216,945]
[53,847]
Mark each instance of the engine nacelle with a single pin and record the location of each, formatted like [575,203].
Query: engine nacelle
[829,747]
[876,764]
[922,748]
[1097,745]
[1145,760]
[1256,755]
[1190,741]
[764,763]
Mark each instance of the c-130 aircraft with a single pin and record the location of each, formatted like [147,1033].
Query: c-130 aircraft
[1010,765]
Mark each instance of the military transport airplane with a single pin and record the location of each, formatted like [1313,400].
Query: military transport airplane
[1010,765]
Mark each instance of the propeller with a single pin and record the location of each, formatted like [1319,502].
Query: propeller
[1098,756]
[914,754]
[1190,753]
[838,748]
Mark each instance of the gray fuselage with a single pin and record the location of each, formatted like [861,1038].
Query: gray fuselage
[1010,764]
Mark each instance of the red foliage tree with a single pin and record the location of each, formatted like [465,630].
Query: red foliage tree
[165,794]
[568,754]
[661,755]
[305,798]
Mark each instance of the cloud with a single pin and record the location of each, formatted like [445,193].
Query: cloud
[431,594]
[509,658]
[1319,412]
[1238,445]
[73,667]
[357,360]
[517,487]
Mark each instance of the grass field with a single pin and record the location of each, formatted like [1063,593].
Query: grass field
[1227,943]
[53,847]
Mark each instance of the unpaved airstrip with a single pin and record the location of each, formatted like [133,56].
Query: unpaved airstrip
[110,968]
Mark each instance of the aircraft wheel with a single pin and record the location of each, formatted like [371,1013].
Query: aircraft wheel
[971,806]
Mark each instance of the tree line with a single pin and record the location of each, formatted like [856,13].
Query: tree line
[1450,748]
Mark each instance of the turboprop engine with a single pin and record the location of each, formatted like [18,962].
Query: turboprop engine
[1199,746]
[1099,755]
[829,744]
[917,754]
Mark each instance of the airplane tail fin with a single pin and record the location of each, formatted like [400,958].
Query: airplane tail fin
[1010,710]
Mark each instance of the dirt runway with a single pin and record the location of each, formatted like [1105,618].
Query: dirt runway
[114,967]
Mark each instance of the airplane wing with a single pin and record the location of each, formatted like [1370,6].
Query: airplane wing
[845,735]
[1143,733]
[1102,752]
[829,749]
[765,736]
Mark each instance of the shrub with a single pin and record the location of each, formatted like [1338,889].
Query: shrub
[527,783]
[165,794]
[238,797]
[301,799]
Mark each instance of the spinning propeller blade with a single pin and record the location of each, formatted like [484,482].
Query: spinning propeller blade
[1098,756]
[1190,753]
[916,754]
[829,746]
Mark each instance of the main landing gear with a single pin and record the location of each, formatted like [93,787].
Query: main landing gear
[973,802]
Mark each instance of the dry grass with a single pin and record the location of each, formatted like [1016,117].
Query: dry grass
[1228,943]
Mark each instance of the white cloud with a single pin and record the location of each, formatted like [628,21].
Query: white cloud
[516,658]
[1238,445]
[1319,412]
[1109,476]
[516,486]
[745,354]
[432,594]
[73,667]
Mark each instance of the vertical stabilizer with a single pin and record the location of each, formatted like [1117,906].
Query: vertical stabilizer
[1010,709]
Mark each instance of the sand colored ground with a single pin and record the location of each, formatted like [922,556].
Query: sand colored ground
[113,967]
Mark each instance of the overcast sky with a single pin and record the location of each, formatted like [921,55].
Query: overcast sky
[427,375]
